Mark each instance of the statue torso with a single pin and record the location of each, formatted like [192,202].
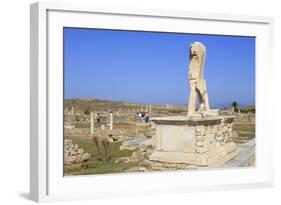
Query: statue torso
[194,70]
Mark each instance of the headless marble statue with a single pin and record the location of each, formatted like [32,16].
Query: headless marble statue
[197,55]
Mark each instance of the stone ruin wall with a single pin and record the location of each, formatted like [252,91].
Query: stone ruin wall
[249,117]
[74,154]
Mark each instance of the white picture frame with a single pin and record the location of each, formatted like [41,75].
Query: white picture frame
[46,139]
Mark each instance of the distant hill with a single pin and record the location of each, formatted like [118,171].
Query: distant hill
[83,104]
[87,104]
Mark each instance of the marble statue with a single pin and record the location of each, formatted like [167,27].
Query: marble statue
[198,87]
[203,138]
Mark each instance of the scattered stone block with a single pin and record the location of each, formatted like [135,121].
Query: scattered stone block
[73,154]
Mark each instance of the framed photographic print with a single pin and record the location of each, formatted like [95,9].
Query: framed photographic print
[129,102]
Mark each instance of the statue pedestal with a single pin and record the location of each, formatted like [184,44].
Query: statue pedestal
[196,141]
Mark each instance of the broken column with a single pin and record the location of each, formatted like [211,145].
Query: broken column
[102,127]
[92,125]
[110,120]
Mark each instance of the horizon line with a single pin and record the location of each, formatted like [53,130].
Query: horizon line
[220,105]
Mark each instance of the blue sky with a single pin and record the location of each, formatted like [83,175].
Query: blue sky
[152,67]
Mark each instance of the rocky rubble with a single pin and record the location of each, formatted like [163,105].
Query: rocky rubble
[240,117]
[145,129]
[118,135]
[73,154]
[246,117]
[141,156]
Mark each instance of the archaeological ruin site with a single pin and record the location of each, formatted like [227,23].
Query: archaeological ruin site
[107,136]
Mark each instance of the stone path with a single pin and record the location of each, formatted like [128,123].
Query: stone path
[246,155]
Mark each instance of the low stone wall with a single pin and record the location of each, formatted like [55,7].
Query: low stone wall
[246,117]
[76,132]
[145,129]
[158,166]
[240,117]
[194,141]
[73,154]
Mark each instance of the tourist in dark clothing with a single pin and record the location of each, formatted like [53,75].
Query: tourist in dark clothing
[98,118]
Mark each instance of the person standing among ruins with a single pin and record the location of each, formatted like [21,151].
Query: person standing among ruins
[98,118]
[140,117]
[146,117]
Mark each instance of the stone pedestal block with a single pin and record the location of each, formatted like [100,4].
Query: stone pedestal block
[200,141]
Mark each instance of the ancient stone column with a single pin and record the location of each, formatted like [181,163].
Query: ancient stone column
[111,120]
[92,125]
[72,110]
[168,106]
[150,109]
[102,127]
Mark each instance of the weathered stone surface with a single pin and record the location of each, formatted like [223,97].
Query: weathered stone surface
[170,165]
[212,112]
[230,147]
[69,160]
[157,167]
[73,154]
[119,138]
[201,145]
[137,169]
[81,132]
[67,142]
[194,121]
[76,147]
[175,138]
[179,157]
[123,160]
[245,157]
[86,156]
[200,149]
[80,151]
[220,160]
[196,79]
